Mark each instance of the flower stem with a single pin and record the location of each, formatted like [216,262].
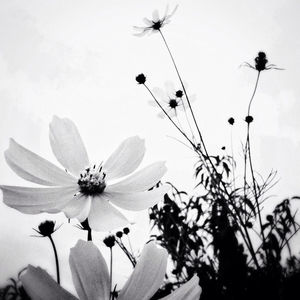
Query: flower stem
[89,234]
[110,275]
[183,87]
[56,259]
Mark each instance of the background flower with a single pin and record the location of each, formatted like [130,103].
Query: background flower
[91,278]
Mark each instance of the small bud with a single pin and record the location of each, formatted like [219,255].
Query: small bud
[249,119]
[223,148]
[126,230]
[179,94]
[109,241]
[141,78]
[270,218]
[119,234]
[231,121]
[249,224]
[152,216]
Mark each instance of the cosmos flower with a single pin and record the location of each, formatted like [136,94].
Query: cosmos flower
[91,277]
[261,63]
[156,23]
[83,190]
[170,99]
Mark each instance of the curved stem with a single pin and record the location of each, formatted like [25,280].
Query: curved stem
[56,259]
[183,87]
[254,91]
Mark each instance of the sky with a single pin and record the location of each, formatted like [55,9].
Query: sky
[79,59]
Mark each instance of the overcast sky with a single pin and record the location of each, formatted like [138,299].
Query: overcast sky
[78,59]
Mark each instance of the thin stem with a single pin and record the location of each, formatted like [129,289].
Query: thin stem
[183,87]
[110,275]
[56,259]
[187,119]
[123,248]
[130,247]
[248,154]
[254,91]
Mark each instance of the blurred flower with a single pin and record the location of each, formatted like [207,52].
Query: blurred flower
[156,23]
[46,228]
[83,190]
[170,99]
[91,278]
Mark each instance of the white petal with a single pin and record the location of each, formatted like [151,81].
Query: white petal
[140,181]
[103,216]
[160,93]
[125,159]
[138,201]
[170,88]
[147,22]
[78,208]
[155,15]
[152,103]
[174,10]
[89,272]
[67,145]
[37,200]
[188,291]
[39,285]
[161,115]
[147,276]
[34,168]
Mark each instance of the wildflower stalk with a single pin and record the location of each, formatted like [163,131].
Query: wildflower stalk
[110,275]
[183,87]
[248,155]
[56,259]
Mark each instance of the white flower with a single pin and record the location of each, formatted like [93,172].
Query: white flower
[156,23]
[170,99]
[83,190]
[91,277]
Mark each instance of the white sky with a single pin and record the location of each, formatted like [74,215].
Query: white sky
[78,59]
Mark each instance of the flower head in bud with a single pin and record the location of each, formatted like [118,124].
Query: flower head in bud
[261,63]
[179,94]
[141,78]
[249,119]
[126,230]
[119,234]
[231,121]
[109,241]
[46,228]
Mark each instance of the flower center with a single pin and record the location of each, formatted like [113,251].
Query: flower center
[92,181]
[156,25]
